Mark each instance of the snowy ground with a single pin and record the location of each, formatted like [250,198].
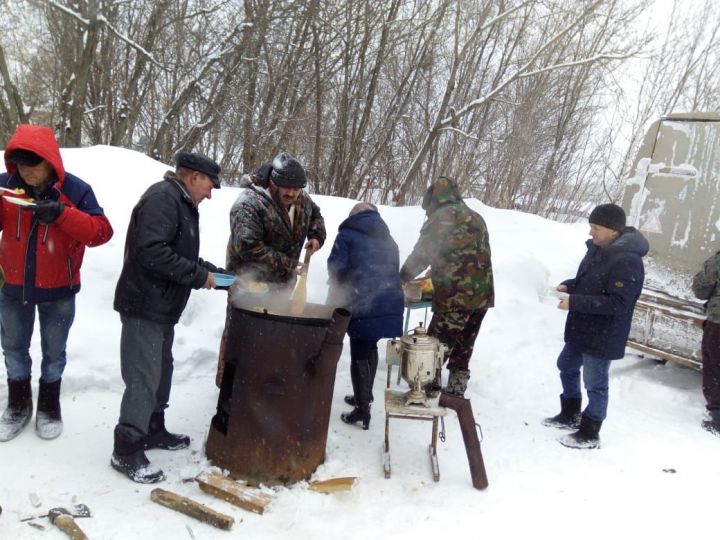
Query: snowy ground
[656,475]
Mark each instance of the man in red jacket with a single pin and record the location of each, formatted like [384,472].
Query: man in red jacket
[47,217]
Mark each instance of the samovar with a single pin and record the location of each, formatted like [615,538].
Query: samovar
[421,357]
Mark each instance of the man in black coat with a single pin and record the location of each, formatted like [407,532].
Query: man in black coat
[160,269]
[600,301]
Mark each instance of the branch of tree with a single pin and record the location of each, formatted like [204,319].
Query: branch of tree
[582,61]
[86,23]
[461,132]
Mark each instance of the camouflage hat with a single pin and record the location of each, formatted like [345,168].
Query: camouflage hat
[443,190]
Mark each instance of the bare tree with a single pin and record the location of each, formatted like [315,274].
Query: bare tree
[375,98]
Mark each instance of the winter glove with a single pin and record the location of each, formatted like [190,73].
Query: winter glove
[48,211]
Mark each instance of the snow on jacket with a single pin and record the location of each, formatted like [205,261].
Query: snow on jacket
[161,264]
[363,267]
[603,294]
[705,287]
[454,242]
[42,261]
[263,244]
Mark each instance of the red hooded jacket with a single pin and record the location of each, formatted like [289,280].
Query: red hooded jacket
[42,262]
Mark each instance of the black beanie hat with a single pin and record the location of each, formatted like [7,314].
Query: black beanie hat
[25,157]
[287,171]
[608,215]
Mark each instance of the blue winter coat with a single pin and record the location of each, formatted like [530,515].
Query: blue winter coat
[364,271]
[603,295]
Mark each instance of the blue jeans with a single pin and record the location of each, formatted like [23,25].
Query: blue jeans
[595,377]
[17,320]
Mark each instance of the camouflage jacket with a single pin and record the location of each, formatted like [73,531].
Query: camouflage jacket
[263,245]
[454,242]
[705,287]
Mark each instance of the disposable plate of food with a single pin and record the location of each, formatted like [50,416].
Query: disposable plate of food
[223,281]
[15,191]
[20,202]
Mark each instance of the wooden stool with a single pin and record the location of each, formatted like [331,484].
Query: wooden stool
[395,408]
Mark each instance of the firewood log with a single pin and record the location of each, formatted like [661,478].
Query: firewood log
[233,492]
[192,508]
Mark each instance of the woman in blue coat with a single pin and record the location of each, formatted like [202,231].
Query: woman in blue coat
[364,272]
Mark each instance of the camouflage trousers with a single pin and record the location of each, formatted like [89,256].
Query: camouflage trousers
[458,330]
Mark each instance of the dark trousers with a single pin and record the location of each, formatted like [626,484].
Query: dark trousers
[363,366]
[458,330]
[146,364]
[711,365]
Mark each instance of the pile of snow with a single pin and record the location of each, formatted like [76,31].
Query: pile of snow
[655,476]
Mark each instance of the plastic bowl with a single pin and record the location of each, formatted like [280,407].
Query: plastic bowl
[223,281]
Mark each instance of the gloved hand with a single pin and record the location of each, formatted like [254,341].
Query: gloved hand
[48,211]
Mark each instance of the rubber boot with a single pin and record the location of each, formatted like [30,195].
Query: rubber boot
[129,458]
[19,409]
[569,415]
[587,436]
[373,361]
[159,437]
[48,420]
[350,398]
[362,385]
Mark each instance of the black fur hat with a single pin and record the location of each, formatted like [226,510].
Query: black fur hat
[608,215]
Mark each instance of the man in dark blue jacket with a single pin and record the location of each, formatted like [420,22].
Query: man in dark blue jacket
[600,301]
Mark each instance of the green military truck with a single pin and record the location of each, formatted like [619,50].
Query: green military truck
[673,197]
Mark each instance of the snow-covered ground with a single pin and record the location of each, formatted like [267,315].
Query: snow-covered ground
[656,475]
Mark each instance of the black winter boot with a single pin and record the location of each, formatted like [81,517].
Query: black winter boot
[362,385]
[48,420]
[569,416]
[129,458]
[712,424]
[357,415]
[159,437]
[19,409]
[588,436]
[372,364]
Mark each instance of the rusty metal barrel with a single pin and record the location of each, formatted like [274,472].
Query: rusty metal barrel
[273,410]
